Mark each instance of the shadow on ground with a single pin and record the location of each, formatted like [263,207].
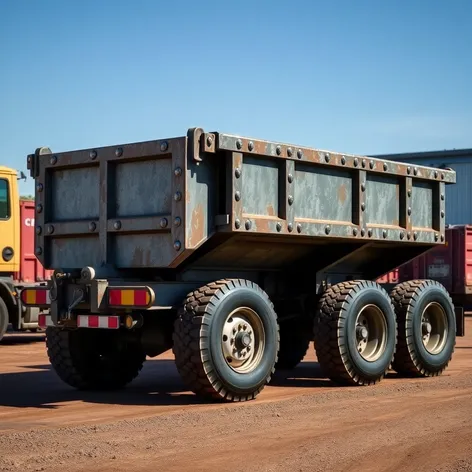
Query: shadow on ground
[158,384]
[22,338]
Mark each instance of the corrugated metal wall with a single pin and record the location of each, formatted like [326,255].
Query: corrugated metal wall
[459,195]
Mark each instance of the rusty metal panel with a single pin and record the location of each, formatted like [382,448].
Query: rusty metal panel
[260,187]
[322,194]
[143,250]
[382,205]
[143,188]
[74,252]
[422,205]
[74,194]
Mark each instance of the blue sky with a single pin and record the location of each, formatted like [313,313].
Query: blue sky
[363,77]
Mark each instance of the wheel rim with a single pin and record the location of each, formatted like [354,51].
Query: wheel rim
[371,333]
[243,340]
[434,328]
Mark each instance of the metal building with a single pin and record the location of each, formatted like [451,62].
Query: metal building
[458,196]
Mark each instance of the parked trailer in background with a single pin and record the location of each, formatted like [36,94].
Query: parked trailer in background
[19,267]
[451,265]
[236,253]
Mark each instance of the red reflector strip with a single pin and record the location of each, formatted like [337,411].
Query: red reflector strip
[129,297]
[35,296]
[44,321]
[96,321]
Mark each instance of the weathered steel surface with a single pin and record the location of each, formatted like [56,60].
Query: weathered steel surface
[153,204]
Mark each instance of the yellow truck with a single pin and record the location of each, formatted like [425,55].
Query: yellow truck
[19,267]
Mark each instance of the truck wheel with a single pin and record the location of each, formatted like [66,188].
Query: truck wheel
[89,359]
[294,344]
[355,333]
[3,318]
[226,340]
[426,328]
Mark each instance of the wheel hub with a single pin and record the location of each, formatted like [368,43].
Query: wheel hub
[434,328]
[371,333]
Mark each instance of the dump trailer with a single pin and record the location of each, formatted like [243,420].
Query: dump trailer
[236,253]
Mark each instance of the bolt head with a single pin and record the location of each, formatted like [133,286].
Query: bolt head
[38,230]
[39,187]
[384,233]
[385,166]
[177,221]
[328,229]
[53,160]
[363,162]
[209,140]
[178,171]
[442,175]
[117,225]
[163,223]
[408,170]
[237,224]
[299,227]
[327,157]
[289,152]
[356,162]
[278,226]
[164,146]
[371,164]
[92,226]
[369,232]
[250,146]
[119,152]
[362,232]
[50,229]
[290,178]
[237,196]
[363,186]
[402,235]
[355,231]
[442,196]
[299,154]
[409,193]
[93,154]
[290,199]
[239,144]
[408,236]
[415,171]
[343,160]
[290,227]
[237,172]
[39,208]
[248,225]
[177,245]
[436,174]
[178,196]
[415,235]
[436,236]
[409,211]
[442,213]
[363,206]
[278,150]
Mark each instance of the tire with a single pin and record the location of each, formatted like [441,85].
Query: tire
[419,353]
[93,359]
[210,323]
[294,344]
[4,319]
[346,313]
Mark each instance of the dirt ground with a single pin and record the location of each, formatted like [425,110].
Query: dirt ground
[301,422]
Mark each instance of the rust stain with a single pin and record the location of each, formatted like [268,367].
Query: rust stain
[342,193]
[262,225]
[196,226]
[270,210]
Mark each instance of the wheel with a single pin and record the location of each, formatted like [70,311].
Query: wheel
[226,340]
[294,344]
[355,333]
[93,359]
[426,328]
[3,318]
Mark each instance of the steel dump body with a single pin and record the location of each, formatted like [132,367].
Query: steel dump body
[220,201]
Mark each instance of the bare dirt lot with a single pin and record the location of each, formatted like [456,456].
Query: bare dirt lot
[302,422]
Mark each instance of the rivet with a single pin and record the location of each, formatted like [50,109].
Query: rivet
[415,171]
[289,152]
[362,232]
[39,208]
[239,144]
[442,237]
[409,211]
[369,232]
[409,192]
[436,174]
[363,162]
[92,226]
[408,170]
[39,251]
[436,236]
[237,224]
[117,225]
[290,227]
[39,187]
[356,162]
[355,231]
[328,229]
[278,226]
[177,221]
[38,230]
[384,233]
[93,154]
[415,235]
[299,227]
[408,236]
[442,175]
[177,245]
[164,146]
[343,160]
[299,154]
[178,196]
[178,171]
[50,229]
[402,235]
[237,172]
[209,141]
[250,145]
[371,164]
[53,160]
[290,178]
[363,186]
[290,199]
[363,206]
[119,152]
[442,196]
[163,223]
[278,150]
[327,157]
[237,196]
[385,167]
[248,224]
[442,213]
